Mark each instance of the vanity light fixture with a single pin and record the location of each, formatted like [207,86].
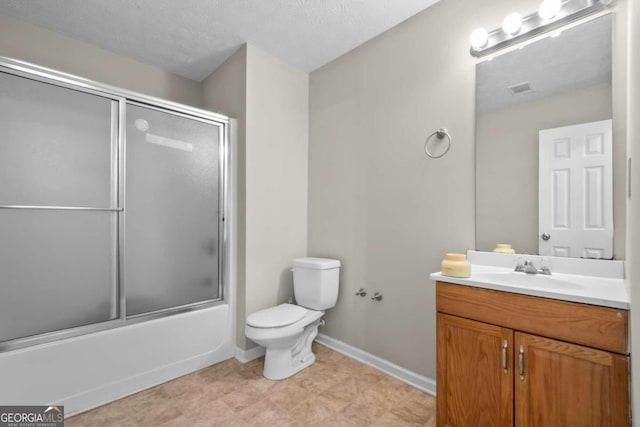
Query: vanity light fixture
[550,16]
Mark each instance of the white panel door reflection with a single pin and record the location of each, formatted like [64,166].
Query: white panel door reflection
[575,191]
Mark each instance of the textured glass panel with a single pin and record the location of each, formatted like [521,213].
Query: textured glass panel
[171,211]
[55,145]
[56,270]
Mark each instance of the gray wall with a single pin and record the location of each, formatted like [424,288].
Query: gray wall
[276,176]
[375,201]
[507,165]
[619,95]
[633,256]
[270,100]
[225,91]
[39,46]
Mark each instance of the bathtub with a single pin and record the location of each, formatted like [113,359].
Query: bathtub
[90,370]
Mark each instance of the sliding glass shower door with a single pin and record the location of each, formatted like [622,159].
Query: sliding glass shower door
[111,207]
[57,222]
[171,216]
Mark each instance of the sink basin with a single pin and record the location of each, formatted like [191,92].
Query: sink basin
[594,282]
[538,281]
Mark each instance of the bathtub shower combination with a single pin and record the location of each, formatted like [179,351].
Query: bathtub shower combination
[112,207]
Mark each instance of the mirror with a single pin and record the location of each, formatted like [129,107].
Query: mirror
[544,146]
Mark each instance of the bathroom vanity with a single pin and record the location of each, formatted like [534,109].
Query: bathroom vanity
[508,356]
[536,349]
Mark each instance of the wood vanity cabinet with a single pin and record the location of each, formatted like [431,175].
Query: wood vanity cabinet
[506,359]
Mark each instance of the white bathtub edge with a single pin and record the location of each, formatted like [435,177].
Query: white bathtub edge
[91,399]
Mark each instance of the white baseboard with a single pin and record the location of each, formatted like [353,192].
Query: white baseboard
[245,356]
[91,399]
[426,384]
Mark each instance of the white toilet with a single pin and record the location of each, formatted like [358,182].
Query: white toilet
[286,330]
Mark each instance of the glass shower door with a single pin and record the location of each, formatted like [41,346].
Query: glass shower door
[171,246]
[58,212]
[111,207]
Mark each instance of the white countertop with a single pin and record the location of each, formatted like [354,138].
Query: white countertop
[608,292]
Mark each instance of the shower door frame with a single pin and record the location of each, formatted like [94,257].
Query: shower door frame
[118,173]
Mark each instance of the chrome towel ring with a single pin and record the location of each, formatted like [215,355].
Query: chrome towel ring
[440,133]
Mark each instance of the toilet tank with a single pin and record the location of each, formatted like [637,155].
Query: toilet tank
[315,282]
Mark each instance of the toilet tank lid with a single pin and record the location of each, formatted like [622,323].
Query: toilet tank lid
[316,263]
[276,317]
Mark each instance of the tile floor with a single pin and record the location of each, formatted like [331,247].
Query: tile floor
[334,391]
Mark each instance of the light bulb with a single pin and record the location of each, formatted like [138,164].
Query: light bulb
[549,8]
[479,38]
[512,23]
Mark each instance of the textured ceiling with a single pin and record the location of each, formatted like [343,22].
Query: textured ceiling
[578,58]
[193,37]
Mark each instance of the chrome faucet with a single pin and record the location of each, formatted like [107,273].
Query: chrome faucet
[527,266]
[544,267]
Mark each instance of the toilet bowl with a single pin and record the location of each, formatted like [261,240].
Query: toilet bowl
[287,331]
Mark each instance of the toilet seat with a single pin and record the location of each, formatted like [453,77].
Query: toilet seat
[276,317]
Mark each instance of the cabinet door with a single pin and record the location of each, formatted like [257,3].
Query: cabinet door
[475,379]
[562,384]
